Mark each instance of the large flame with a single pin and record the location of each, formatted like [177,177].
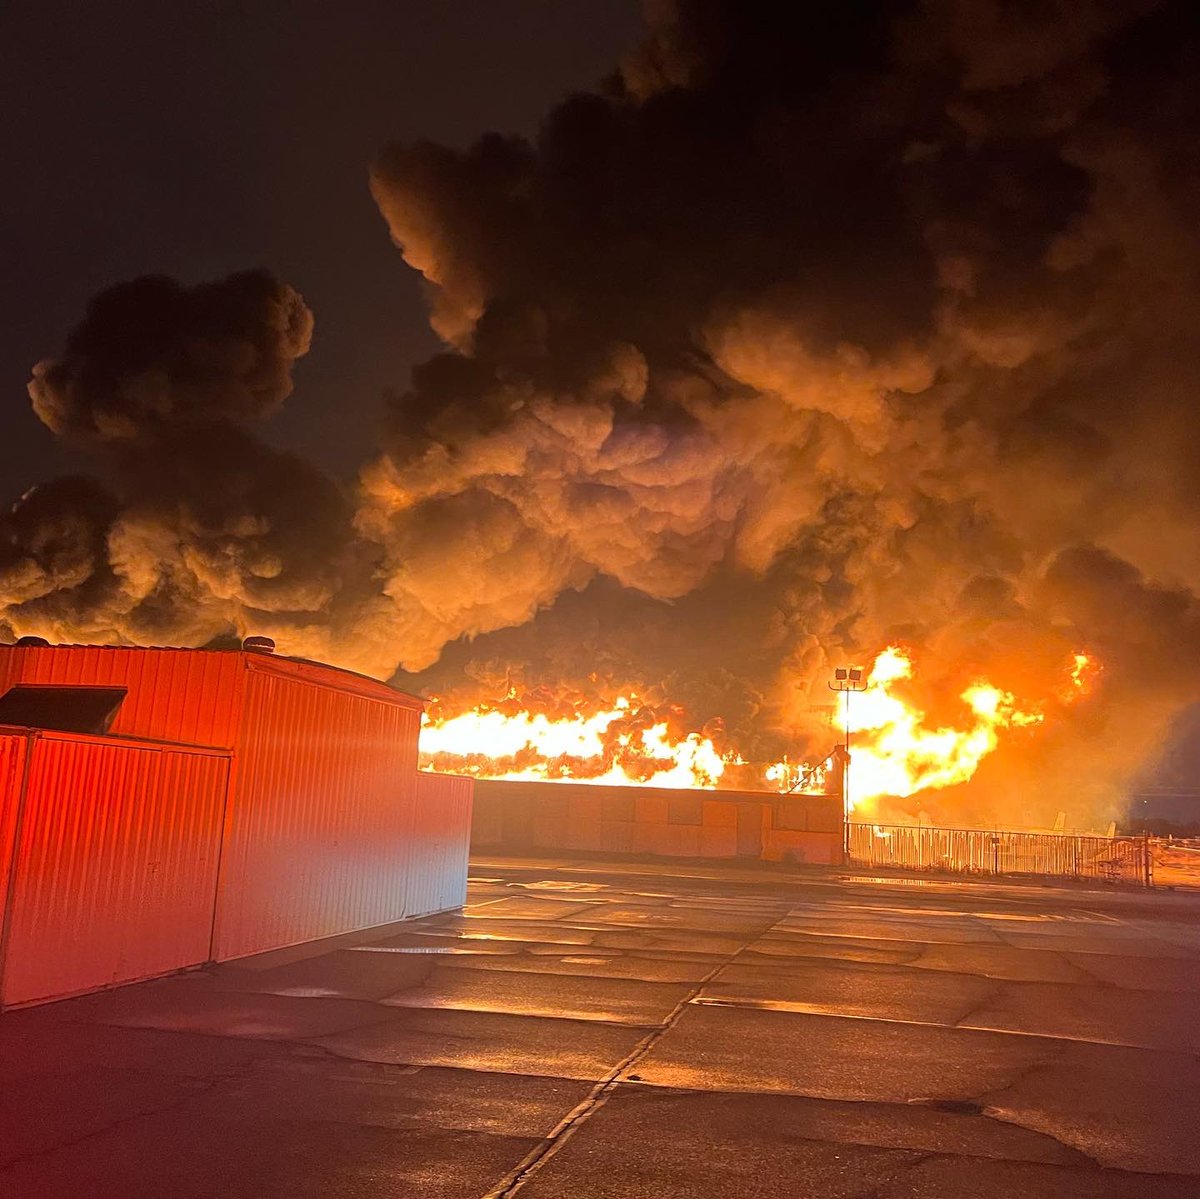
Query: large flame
[893,750]
[617,744]
[896,750]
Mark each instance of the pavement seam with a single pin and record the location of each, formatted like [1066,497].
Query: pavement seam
[603,1090]
[757,1005]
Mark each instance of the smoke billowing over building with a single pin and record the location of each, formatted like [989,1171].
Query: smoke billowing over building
[799,337]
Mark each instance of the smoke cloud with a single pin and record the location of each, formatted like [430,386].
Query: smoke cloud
[200,527]
[802,335]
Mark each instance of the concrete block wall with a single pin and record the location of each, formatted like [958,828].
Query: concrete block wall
[796,830]
[523,817]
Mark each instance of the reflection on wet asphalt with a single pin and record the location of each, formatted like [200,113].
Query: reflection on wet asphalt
[597,1029]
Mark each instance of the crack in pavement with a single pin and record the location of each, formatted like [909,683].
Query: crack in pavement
[989,1099]
[599,1095]
[204,1085]
[1077,1158]
[603,1090]
[994,993]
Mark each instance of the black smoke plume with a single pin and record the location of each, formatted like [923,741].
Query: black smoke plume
[200,527]
[813,329]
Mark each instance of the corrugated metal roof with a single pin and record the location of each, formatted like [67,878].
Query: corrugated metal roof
[309,668]
[189,696]
[184,696]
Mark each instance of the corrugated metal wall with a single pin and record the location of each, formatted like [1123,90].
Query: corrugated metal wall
[441,834]
[12,773]
[316,839]
[321,817]
[115,864]
[174,694]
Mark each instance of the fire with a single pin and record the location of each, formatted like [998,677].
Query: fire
[894,752]
[1084,671]
[618,744]
[789,775]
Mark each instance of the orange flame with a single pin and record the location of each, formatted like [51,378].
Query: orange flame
[608,746]
[1084,672]
[895,751]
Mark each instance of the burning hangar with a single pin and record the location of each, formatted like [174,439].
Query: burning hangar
[162,808]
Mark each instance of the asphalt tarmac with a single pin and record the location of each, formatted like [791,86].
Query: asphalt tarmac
[587,1029]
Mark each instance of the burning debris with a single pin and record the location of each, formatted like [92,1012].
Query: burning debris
[775,351]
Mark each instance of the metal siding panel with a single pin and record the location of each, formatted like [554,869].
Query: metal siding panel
[320,815]
[12,773]
[174,694]
[441,839]
[115,865]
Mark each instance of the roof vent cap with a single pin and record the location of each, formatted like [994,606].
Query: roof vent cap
[258,645]
[38,641]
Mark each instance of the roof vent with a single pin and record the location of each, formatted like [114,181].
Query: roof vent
[40,641]
[258,645]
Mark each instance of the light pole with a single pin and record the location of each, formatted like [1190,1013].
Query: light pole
[847,680]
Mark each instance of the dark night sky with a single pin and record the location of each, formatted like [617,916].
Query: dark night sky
[199,139]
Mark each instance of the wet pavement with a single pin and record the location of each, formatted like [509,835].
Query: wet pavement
[589,1029]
